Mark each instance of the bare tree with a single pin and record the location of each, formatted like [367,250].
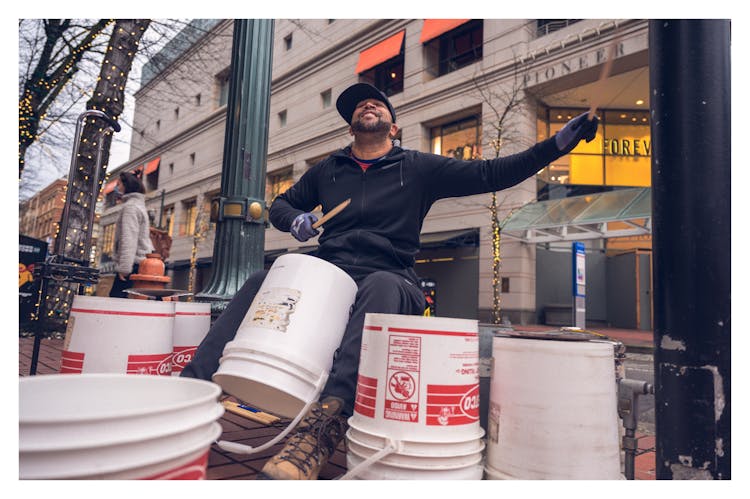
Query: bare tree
[504,103]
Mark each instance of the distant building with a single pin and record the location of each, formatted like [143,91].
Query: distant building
[448,80]
[38,216]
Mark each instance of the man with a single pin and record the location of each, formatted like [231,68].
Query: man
[374,240]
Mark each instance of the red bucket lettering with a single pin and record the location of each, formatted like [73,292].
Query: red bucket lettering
[181,357]
[194,470]
[159,364]
[452,405]
[71,362]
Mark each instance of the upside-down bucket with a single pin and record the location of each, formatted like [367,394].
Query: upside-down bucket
[283,351]
[192,320]
[416,412]
[116,426]
[553,410]
[118,335]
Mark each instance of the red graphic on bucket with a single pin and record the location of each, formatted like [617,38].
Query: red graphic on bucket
[181,357]
[404,361]
[451,405]
[194,470]
[71,362]
[157,364]
[364,402]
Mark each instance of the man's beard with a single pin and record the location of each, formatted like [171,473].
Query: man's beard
[370,127]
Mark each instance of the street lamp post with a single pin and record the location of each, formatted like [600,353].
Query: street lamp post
[239,209]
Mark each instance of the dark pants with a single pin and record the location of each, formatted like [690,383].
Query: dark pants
[378,292]
[119,286]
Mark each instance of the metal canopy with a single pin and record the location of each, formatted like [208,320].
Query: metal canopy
[624,212]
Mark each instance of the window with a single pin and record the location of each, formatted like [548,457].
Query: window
[460,139]
[152,181]
[282,118]
[171,168]
[455,49]
[382,64]
[167,219]
[198,100]
[222,81]
[192,158]
[505,284]
[177,113]
[288,42]
[189,215]
[158,124]
[325,98]
[108,240]
[619,155]
[547,26]
[277,182]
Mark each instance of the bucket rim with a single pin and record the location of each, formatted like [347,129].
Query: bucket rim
[412,453]
[479,434]
[478,460]
[213,393]
[213,431]
[216,413]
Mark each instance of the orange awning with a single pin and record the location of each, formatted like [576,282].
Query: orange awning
[380,52]
[433,28]
[109,187]
[152,165]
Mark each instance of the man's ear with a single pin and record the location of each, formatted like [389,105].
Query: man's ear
[394,131]
[351,132]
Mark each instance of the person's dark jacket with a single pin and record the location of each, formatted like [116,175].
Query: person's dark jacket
[379,230]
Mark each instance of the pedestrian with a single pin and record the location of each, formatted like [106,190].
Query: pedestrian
[132,237]
[374,240]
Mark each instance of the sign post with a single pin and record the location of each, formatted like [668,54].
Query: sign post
[579,285]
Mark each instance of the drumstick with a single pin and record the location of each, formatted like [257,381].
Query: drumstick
[604,74]
[331,213]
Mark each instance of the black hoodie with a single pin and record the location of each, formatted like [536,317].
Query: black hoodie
[380,229]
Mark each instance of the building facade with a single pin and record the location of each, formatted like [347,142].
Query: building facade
[469,88]
[38,217]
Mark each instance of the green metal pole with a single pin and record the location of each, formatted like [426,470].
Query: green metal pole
[238,211]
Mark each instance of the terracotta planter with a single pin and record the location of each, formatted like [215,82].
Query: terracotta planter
[152,265]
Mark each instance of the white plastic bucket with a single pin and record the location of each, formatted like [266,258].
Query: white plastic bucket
[116,426]
[418,379]
[118,335]
[416,411]
[283,349]
[192,320]
[553,410]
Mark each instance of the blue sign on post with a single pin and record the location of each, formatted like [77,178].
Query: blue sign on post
[579,285]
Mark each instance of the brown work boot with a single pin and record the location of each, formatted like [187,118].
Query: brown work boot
[308,450]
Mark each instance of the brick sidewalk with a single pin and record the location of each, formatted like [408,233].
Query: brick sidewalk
[224,465]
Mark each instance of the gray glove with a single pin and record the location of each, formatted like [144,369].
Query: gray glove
[574,130]
[302,229]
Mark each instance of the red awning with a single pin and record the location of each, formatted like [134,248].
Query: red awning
[152,165]
[380,52]
[433,28]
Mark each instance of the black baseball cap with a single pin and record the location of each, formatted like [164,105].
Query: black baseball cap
[349,98]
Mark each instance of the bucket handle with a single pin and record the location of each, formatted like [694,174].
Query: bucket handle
[391,446]
[248,449]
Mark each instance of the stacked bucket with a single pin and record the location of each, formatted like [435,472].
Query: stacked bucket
[116,426]
[114,411]
[416,413]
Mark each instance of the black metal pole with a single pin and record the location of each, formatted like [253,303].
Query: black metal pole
[238,212]
[691,134]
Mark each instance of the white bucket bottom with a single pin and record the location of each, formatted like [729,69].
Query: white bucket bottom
[116,426]
[446,447]
[265,382]
[382,471]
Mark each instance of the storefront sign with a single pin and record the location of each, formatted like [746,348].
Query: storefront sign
[571,65]
[627,147]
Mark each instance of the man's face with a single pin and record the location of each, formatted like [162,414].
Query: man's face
[371,115]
